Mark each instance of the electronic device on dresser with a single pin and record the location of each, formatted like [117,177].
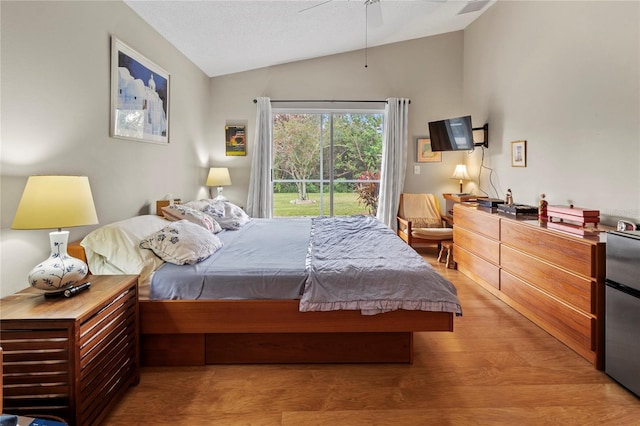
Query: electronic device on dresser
[489,202]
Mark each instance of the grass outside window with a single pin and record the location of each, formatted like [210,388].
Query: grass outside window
[344,204]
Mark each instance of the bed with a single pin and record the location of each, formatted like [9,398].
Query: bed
[302,322]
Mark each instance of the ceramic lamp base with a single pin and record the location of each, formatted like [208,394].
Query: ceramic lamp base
[59,270]
[220,197]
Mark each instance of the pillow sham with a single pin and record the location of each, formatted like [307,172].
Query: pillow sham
[182,242]
[177,212]
[199,204]
[114,248]
[227,214]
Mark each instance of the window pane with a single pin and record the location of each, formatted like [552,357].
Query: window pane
[357,141]
[287,203]
[347,201]
[296,146]
[342,148]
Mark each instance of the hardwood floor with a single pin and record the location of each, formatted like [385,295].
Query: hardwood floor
[496,368]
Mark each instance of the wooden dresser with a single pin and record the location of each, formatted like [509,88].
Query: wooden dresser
[554,278]
[71,358]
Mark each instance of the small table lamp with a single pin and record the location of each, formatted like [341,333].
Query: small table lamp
[56,202]
[219,176]
[460,173]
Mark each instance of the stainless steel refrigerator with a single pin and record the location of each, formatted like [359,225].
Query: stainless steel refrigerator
[622,314]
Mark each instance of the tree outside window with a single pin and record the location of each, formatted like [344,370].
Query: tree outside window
[326,163]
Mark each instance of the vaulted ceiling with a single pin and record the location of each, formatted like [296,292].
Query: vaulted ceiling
[224,37]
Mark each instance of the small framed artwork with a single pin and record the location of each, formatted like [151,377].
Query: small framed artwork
[424,154]
[235,140]
[519,154]
[139,96]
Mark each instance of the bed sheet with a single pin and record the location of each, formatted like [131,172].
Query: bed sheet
[264,259]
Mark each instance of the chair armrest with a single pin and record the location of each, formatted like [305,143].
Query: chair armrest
[446,220]
[406,223]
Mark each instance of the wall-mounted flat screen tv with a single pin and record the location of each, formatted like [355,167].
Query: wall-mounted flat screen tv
[453,134]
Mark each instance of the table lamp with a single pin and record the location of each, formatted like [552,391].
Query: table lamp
[56,202]
[460,173]
[219,176]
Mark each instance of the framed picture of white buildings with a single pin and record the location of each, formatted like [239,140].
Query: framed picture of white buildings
[139,96]
[519,154]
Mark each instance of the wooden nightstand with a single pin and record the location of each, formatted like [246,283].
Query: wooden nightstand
[451,199]
[74,357]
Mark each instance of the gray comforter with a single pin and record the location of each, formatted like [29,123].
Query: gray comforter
[358,263]
[353,263]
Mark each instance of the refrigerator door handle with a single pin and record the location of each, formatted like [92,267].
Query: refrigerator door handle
[623,288]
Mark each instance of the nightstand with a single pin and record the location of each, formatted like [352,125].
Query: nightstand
[451,199]
[71,357]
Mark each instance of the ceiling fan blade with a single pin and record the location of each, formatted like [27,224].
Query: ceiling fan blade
[314,6]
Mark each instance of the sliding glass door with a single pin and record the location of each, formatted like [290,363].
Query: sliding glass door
[326,163]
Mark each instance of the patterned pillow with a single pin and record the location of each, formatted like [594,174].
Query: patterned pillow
[199,204]
[228,215]
[182,242]
[179,212]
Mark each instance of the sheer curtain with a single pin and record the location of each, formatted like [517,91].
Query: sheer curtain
[259,201]
[394,159]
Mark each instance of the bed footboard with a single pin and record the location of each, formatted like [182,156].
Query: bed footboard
[274,331]
[275,348]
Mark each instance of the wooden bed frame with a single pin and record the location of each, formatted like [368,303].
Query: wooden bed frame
[199,332]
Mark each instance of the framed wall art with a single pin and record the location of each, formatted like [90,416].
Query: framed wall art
[519,154]
[235,140]
[139,96]
[424,153]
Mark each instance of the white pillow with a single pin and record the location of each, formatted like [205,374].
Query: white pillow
[182,242]
[179,212]
[227,214]
[114,248]
[199,204]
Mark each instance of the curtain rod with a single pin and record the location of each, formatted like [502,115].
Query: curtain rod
[318,101]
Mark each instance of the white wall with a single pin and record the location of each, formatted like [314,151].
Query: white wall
[564,76]
[55,82]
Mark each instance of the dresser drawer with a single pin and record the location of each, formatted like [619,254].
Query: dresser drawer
[573,289]
[481,246]
[574,328]
[476,268]
[567,252]
[476,221]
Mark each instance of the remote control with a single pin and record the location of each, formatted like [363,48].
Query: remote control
[70,292]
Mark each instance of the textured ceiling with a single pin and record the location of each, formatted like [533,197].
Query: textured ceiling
[224,37]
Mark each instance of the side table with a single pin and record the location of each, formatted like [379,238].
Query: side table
[451,199]
[70,357]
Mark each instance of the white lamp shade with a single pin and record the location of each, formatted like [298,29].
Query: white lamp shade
[55,202]
[460,172]
[218,176]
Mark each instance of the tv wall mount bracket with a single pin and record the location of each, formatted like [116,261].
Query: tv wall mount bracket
[481,136]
